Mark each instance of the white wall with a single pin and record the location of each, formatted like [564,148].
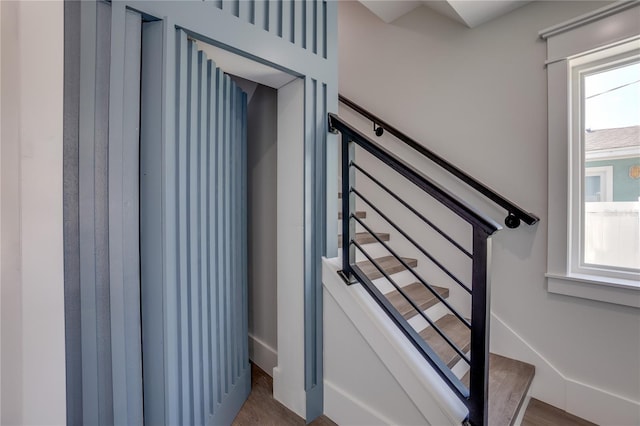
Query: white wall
[31,286]
[478,98]
[262,151]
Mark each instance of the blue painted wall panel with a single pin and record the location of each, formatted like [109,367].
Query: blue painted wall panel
[211,255]
[295,36]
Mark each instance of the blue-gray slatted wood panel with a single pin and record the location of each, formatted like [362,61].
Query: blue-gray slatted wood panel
[255,32]
[211,252]
[124,259]
[302,22]
[308,51]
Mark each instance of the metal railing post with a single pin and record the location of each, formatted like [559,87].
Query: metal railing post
[348,205]
[480,312]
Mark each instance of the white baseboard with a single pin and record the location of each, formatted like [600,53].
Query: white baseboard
[553,387]
[263,355]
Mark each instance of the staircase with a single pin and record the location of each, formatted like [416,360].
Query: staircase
[509,379]
[451,334]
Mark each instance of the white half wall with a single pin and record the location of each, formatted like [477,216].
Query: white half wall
[31,281]
[372,374]
[478,97]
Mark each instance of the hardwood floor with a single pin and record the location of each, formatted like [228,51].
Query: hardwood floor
[261,409]
[542,414]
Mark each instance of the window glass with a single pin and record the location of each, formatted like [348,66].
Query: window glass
[610,201]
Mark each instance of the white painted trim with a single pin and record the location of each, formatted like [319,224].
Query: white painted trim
[554,387]
[612,154]
[418,379]
[263,355]
[288,376]
[587,18]
[619,292]
[612,25]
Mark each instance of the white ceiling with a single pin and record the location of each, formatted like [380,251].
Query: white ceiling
[468,12]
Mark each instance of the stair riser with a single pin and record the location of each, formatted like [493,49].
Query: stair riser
[401,278]
[434,313]
[461,368]
[374,250]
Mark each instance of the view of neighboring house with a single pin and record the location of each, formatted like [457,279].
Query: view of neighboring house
[612,196]
[612,162]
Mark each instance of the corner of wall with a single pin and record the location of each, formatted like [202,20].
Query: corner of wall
[553,387]
[31,279]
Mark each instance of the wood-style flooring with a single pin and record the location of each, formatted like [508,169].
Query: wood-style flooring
[542,414]
[261,409]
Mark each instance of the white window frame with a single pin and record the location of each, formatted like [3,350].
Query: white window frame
[604,30]
[580,67]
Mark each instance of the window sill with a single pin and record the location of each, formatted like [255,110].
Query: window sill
[609,290]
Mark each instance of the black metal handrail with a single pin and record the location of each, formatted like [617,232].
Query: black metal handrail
[444,196]
[515,213]
[475,396]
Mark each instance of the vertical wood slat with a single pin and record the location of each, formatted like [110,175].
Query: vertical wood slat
[238,237]
[299,18]
[245,10]
[220,162]
[245,240]
[192,231]
[170,247]
[274,17]
[309,24]
[152,234]
[318,24]
[182,228]
[88,108]
[261,14]
[233,240]
[226,234]
[286,20]
[211,118]
[204,79]
[212,90]
[96,328]
[123,201]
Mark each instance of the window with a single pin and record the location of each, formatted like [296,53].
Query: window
[593,75]
[605,134]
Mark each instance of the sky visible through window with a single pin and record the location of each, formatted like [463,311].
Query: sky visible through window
[612,98]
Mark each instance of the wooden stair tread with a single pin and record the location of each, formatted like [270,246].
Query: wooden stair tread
[420,295]
[509,382]
[389,264]
[359,215]
[366,238]
[542,414]
[456,331]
